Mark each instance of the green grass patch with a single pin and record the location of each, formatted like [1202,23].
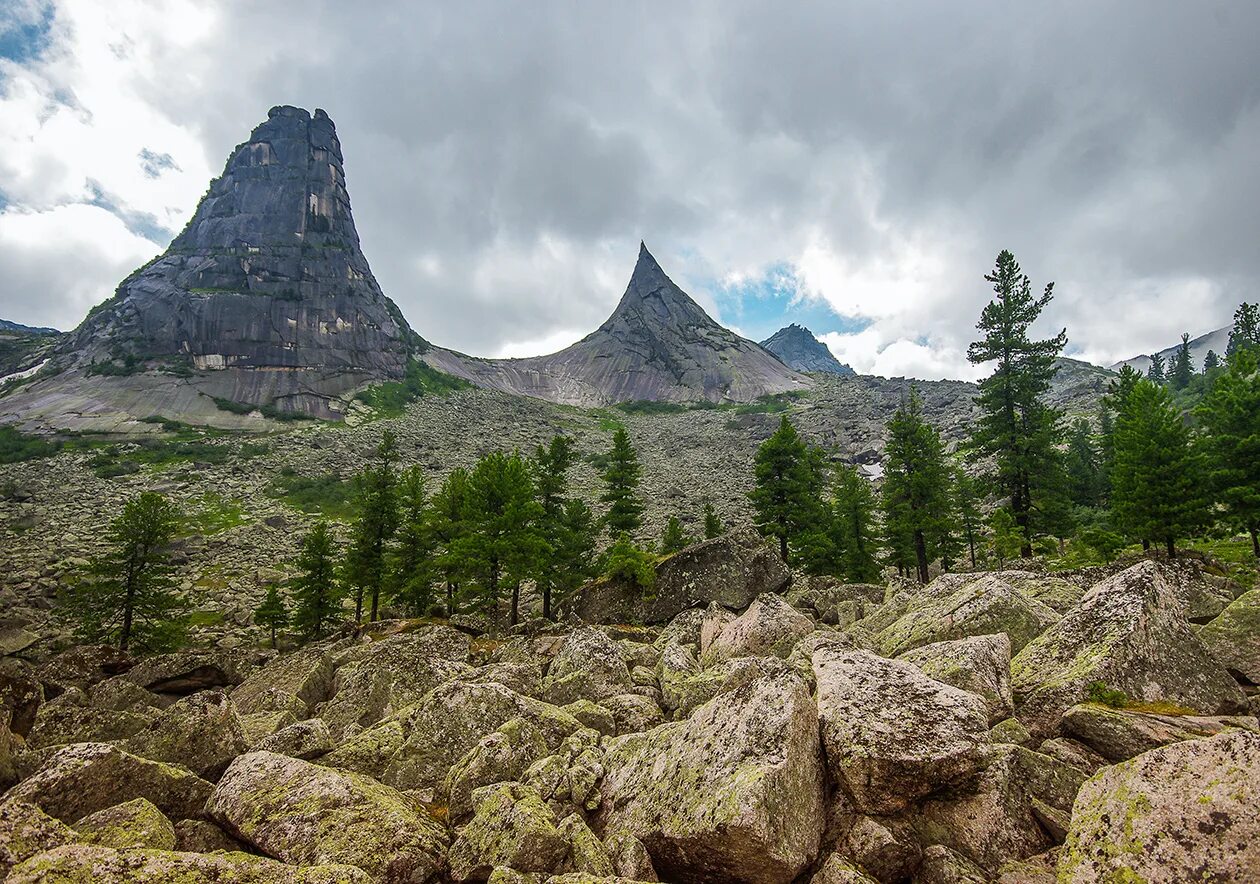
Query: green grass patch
[267,410]
[1233,555]
[16,446]
[205,618]
[391,398]
[120,460]
[328,495]
[214,514]
[1100,693]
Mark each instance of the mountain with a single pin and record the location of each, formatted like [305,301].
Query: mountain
[1216,340]
[23,350]
[264,300]
[797,347]
[18,328]
[657,345]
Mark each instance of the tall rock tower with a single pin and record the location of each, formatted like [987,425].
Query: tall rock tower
[265,299]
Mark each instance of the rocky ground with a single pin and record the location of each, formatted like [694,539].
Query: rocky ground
[748,729]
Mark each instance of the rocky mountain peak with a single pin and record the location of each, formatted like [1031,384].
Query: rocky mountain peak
[652,301]
[797,347]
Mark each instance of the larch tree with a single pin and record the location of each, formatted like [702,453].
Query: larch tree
[673,537]
[786,496]
[272,614]
[573,557]
[1016,430]
[1230,417]
[412,564]
[1181,370]
[449,523]
[1246,330]
[317,595]
[128,595]
[375,525]
[621,483]
[551,466]
[1157,371]
[713,526]
[967,504]
[853,513]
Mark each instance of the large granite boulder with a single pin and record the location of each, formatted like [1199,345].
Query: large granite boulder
[952,607]
[891,734]
[134,823]
[91,864]
[20,694]
[306,814]
[1120,734]
[731,570]
[589,665]
[1187,812]
[980,664]
[26,831]
[769,628]
[294,682]
[1127,633]
[1233,637]
[87,777]
[513,828]
[189,671]
[202,731]
[734,793]
[69,718]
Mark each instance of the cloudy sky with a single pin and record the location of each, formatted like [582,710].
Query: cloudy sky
[855,166]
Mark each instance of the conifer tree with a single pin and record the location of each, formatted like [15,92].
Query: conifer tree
[1017,429]
[621,481]
[552,465]
[573,558]
[1182,369]
[673,538]
[1157,490]
[1230,417]
[272,614]
[1211,362]
[786,497]
[967,504]
[916,493]
[1156,372]
[1007,538]
[128,595]
[504,542]
[712,523]
[1106,453]
[626,561]
[317,596]
[449,515]
[375,526]
[853,513]
[1246,330]
[412,556]
[1083,465]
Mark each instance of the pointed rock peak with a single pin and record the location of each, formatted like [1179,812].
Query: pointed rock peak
[646,269]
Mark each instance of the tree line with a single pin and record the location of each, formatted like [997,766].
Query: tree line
[1149,469]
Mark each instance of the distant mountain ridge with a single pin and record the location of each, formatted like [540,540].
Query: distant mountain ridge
[657,345]
[799,349]
[1217,340]
[7,326]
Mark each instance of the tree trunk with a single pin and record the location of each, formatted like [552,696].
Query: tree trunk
[920,553]
[273,638]
[124,634]
[358,605]
[783,547]
[1146,544]
[450,598]
[376,597]
[1172,549]
[971,544]
[1255,540]
[546,594]
[516,603]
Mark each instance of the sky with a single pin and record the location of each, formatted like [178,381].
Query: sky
[852,166]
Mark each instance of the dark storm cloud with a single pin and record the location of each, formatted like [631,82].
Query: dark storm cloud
[505,159]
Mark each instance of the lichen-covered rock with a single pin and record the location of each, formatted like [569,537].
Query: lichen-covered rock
[305,676]
[1128,633]
[258,725]
[633,712]
[1120,734]
[88,777]
[10,745]
[202,731]
[588,666]
[1187,812]
[190,671]
[1233,637]
[592,715]
[587,853]
[1006,814]
[118,694]
[68,719]
[838,870]
[569,779]
[418,748]
[1073,754]
[81,667]
[832,602]
[1011,730]
[629,857]
[1055,592]
[512,827]
[203,836]
[731,570]
[943,866]
[307,740]
[675,666]
[303,813]
[735,792]
[885,855]
[525,679]
[499,757]
[92,864]
[134,823]
[25,831]
[20,694]
[980,664]
[769,628]
[950,608]
[892,734]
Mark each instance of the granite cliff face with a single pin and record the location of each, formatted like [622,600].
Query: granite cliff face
[265,299]
[801,351]
[657,345]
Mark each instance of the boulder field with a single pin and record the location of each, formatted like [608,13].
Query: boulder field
[755,731]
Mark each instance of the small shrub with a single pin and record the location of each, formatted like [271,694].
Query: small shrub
[625,561]
[1100,693]
[16,446]
[390,399]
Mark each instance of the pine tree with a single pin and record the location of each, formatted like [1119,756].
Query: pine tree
[713,526]
[1246,330]
[1182,368]
[967,504]
[1106,452]
[1157,491]
[626,561]
[1156,372]
[504,542]
[375,526]
[316,594]
[128,595]
[573,558]
[1083,465]
[621,479]
[853,513]
[673,538]
[916,492]
[449,514]
[1230,417]
[1211,362]
[1017,430]
[1007,538]
[272,614]
[552,467]
[412,555]
[788,476]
